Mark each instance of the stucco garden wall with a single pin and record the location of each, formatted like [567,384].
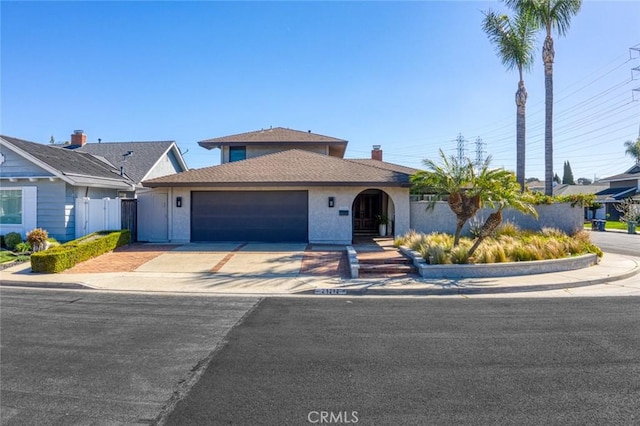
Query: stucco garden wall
[325,223]
[441,218]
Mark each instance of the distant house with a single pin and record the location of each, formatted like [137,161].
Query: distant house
[621,186]
[278,185]
[40,183]
[595,188]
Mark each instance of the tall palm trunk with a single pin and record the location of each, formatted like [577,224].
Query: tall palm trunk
[548,54]
[521,100]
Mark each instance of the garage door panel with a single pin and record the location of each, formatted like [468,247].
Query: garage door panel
[270,216]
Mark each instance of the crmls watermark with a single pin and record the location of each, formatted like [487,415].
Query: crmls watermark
[331,417]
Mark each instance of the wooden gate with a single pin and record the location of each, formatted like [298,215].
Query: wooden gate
[129,217]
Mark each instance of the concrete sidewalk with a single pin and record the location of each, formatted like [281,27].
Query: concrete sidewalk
[255,279]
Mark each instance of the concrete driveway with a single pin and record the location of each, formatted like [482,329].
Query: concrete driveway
[240,268]
[235,259]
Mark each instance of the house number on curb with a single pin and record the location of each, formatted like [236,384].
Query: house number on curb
[331,291]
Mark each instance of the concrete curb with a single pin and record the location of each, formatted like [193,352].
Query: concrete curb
[48,284]
[496,270]
[354,265]
[453,290]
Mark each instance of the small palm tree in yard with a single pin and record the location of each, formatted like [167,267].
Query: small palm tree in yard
[454,179]
[514,40]
[502,191]
[467,188]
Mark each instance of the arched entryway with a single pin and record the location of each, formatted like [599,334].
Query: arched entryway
[367,207]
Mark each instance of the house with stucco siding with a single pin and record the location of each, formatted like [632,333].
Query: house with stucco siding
[278,185]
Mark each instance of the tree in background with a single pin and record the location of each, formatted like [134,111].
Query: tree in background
[584,181]
[548,15]
[633,149]
[567,176]
[556,179]
[514,40]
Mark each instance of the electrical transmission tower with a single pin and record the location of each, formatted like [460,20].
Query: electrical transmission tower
[634,53]
[462,142]
[479,151]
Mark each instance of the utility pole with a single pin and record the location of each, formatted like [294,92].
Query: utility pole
[461,148]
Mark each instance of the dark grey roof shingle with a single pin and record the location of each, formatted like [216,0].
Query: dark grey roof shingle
[273,135]
[66,161]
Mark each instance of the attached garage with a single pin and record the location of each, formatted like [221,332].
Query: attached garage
[267,216]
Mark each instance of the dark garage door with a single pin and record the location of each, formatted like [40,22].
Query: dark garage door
[270,216]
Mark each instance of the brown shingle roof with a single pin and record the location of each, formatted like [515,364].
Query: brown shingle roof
[384,165]
[286,168]
[273,135]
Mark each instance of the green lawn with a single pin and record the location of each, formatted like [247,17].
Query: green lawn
[6,256]
[611,224]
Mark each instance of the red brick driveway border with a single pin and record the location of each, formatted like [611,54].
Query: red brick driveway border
[123,259]
[325,263]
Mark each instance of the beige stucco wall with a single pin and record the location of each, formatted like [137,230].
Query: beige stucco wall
[441,219]
[325,224]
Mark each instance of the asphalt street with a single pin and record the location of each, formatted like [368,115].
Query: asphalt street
[617,242]
[82,357]
[423,362]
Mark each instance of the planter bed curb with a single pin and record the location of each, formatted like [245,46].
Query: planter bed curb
[493,270]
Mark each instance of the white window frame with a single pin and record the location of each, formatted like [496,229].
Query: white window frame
[29,211]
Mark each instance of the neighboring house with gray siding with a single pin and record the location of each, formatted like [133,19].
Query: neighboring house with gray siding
[621,186]
[39,183]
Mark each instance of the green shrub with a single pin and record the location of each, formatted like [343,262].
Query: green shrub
[12,239]
[67,255]
[22,247]
[508,229]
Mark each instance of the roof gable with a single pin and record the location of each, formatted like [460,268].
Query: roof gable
[291,167]
[145,155]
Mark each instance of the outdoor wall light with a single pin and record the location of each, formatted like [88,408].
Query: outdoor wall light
[178,201]
[332,201]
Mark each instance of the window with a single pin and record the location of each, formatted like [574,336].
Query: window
[237,153]
[10,206]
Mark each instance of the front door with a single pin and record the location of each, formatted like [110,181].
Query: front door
[365,209]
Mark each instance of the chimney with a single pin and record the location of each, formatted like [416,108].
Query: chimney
[78,138]
[376,153]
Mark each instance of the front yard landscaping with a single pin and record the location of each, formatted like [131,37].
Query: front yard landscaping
[506,244]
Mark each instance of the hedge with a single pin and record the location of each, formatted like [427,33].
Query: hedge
[67,255]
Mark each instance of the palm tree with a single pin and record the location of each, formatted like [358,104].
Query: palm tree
[514,43]
[502,191]
[454,179]
[633,149]
[548,15]
[467,188]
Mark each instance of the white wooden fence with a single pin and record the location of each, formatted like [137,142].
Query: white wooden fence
[97,215]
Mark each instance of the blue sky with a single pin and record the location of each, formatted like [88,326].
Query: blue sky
[409,76]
